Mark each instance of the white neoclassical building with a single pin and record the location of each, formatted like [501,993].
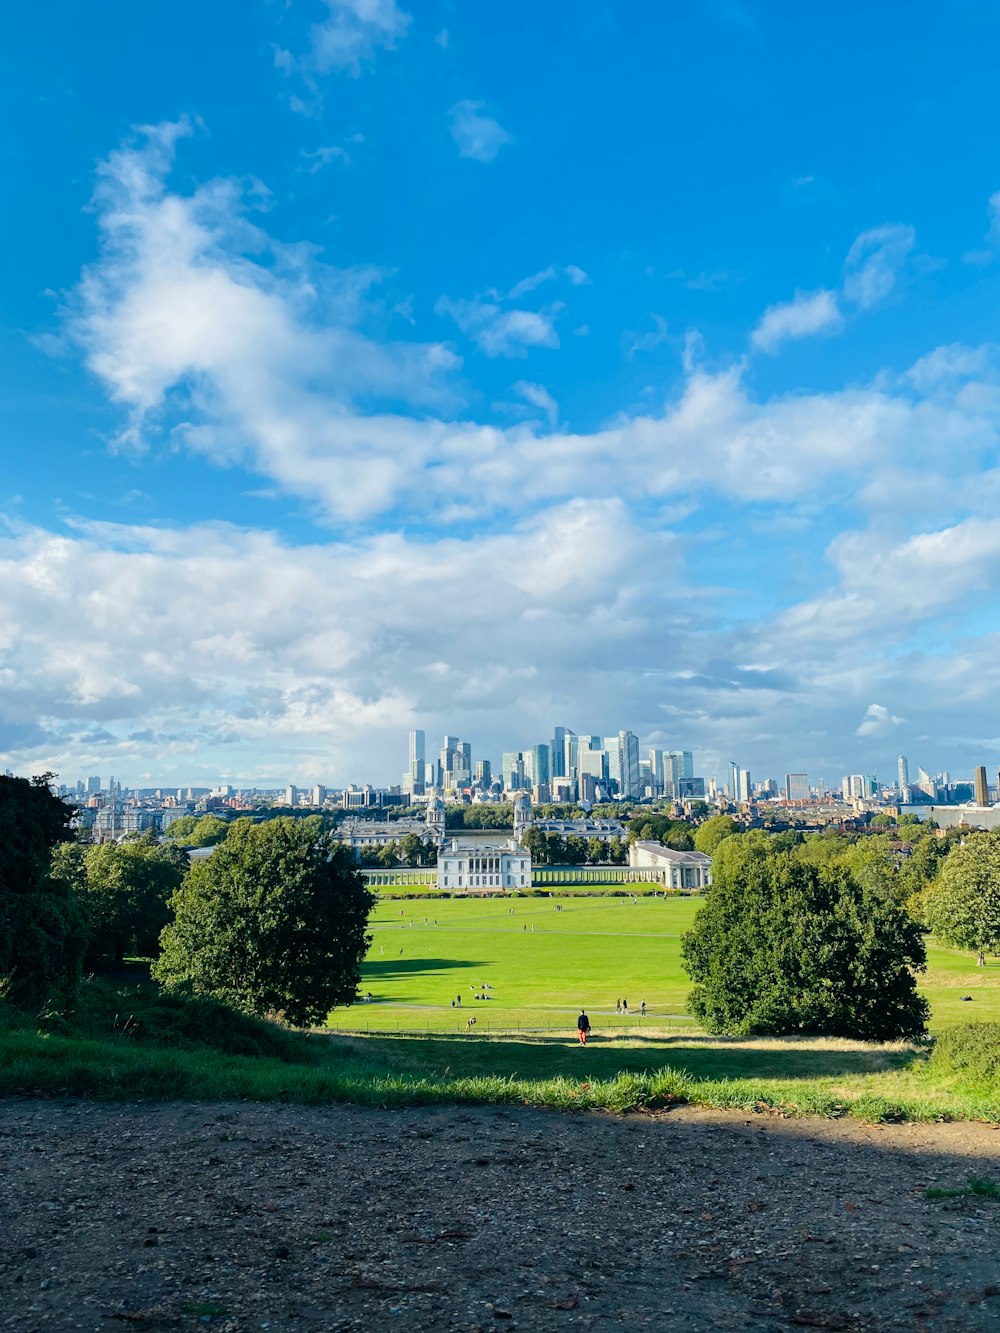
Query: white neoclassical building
[483,868]
[677,870]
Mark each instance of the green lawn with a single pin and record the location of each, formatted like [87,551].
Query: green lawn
[543,964]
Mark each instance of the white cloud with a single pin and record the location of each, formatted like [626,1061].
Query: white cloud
[477,135]
[576,276]
[499,332]
[808,314]
[874,263]
[539,397]
[318,158]
[646,342]
[105,635]
[878,721]
[253,353]
[350,34]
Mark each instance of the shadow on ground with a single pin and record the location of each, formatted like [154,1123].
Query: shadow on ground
[387,969]
[701,1057]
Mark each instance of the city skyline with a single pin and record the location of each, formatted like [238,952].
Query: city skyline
[367,365]
[655,764]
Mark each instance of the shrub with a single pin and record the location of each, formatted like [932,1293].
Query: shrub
[970,1050]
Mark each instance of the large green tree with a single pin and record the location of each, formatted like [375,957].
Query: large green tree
[43,927]
[962,907]
[197,831]
[273,922]
[785,947]
[708,835]
[126,888]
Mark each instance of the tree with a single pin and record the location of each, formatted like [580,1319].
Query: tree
[962,907]
[190,831]
[272,923]
[597,852]
[535,844]
[43,927]
[781,947]
[708,835]
[127,887]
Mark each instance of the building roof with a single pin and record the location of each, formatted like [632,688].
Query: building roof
[676,858]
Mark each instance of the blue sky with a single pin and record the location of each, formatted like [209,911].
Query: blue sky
[481,368]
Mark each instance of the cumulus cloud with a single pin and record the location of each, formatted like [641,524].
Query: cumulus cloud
[875,262]
[499,332]
[351,33]
[877,721]
[808,314]
[476,134]
[106,639]
[213,337]
[539,397]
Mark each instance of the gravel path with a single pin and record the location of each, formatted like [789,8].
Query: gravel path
[254,1217]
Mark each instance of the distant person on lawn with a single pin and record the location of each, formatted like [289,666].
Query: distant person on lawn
[583,1027]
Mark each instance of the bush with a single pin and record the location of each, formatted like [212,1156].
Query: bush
[971,1050]
[141,1014]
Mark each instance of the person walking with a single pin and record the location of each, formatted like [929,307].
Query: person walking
[624,1005]
[583,1027]
[618,1006]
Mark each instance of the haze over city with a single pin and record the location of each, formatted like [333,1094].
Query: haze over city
[368,367]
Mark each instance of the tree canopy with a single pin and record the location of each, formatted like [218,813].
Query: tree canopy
[273,922]
[126,888]
[963,906]
[708,835]
[781,946]
[42,925]
[197,830]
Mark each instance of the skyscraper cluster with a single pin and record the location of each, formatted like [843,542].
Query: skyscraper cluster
[569,767]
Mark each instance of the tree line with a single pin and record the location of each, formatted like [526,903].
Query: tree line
[273,922]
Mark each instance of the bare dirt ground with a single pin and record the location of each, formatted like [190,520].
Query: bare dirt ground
[262,1217]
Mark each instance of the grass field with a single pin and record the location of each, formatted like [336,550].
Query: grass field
[124,1038]
[555,954]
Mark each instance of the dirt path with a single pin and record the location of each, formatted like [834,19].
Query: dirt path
[250,1217]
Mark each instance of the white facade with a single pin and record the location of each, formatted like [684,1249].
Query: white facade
[482,869]
[684,870]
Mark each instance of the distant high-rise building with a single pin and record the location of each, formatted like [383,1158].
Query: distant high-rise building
[902,773]
[656,771]
[982,786]
[93,786]
[513,770]
[540,757]
[291,795]
[733,785]
[796,786]
[610,748]
[745,786]
[558,763]
[417,763]
[628,759]
[593,763]
[318,794]
[484,772]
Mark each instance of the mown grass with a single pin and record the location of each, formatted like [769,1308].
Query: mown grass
[555,954]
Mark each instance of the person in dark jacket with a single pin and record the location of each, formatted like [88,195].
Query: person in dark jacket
[583,1027]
